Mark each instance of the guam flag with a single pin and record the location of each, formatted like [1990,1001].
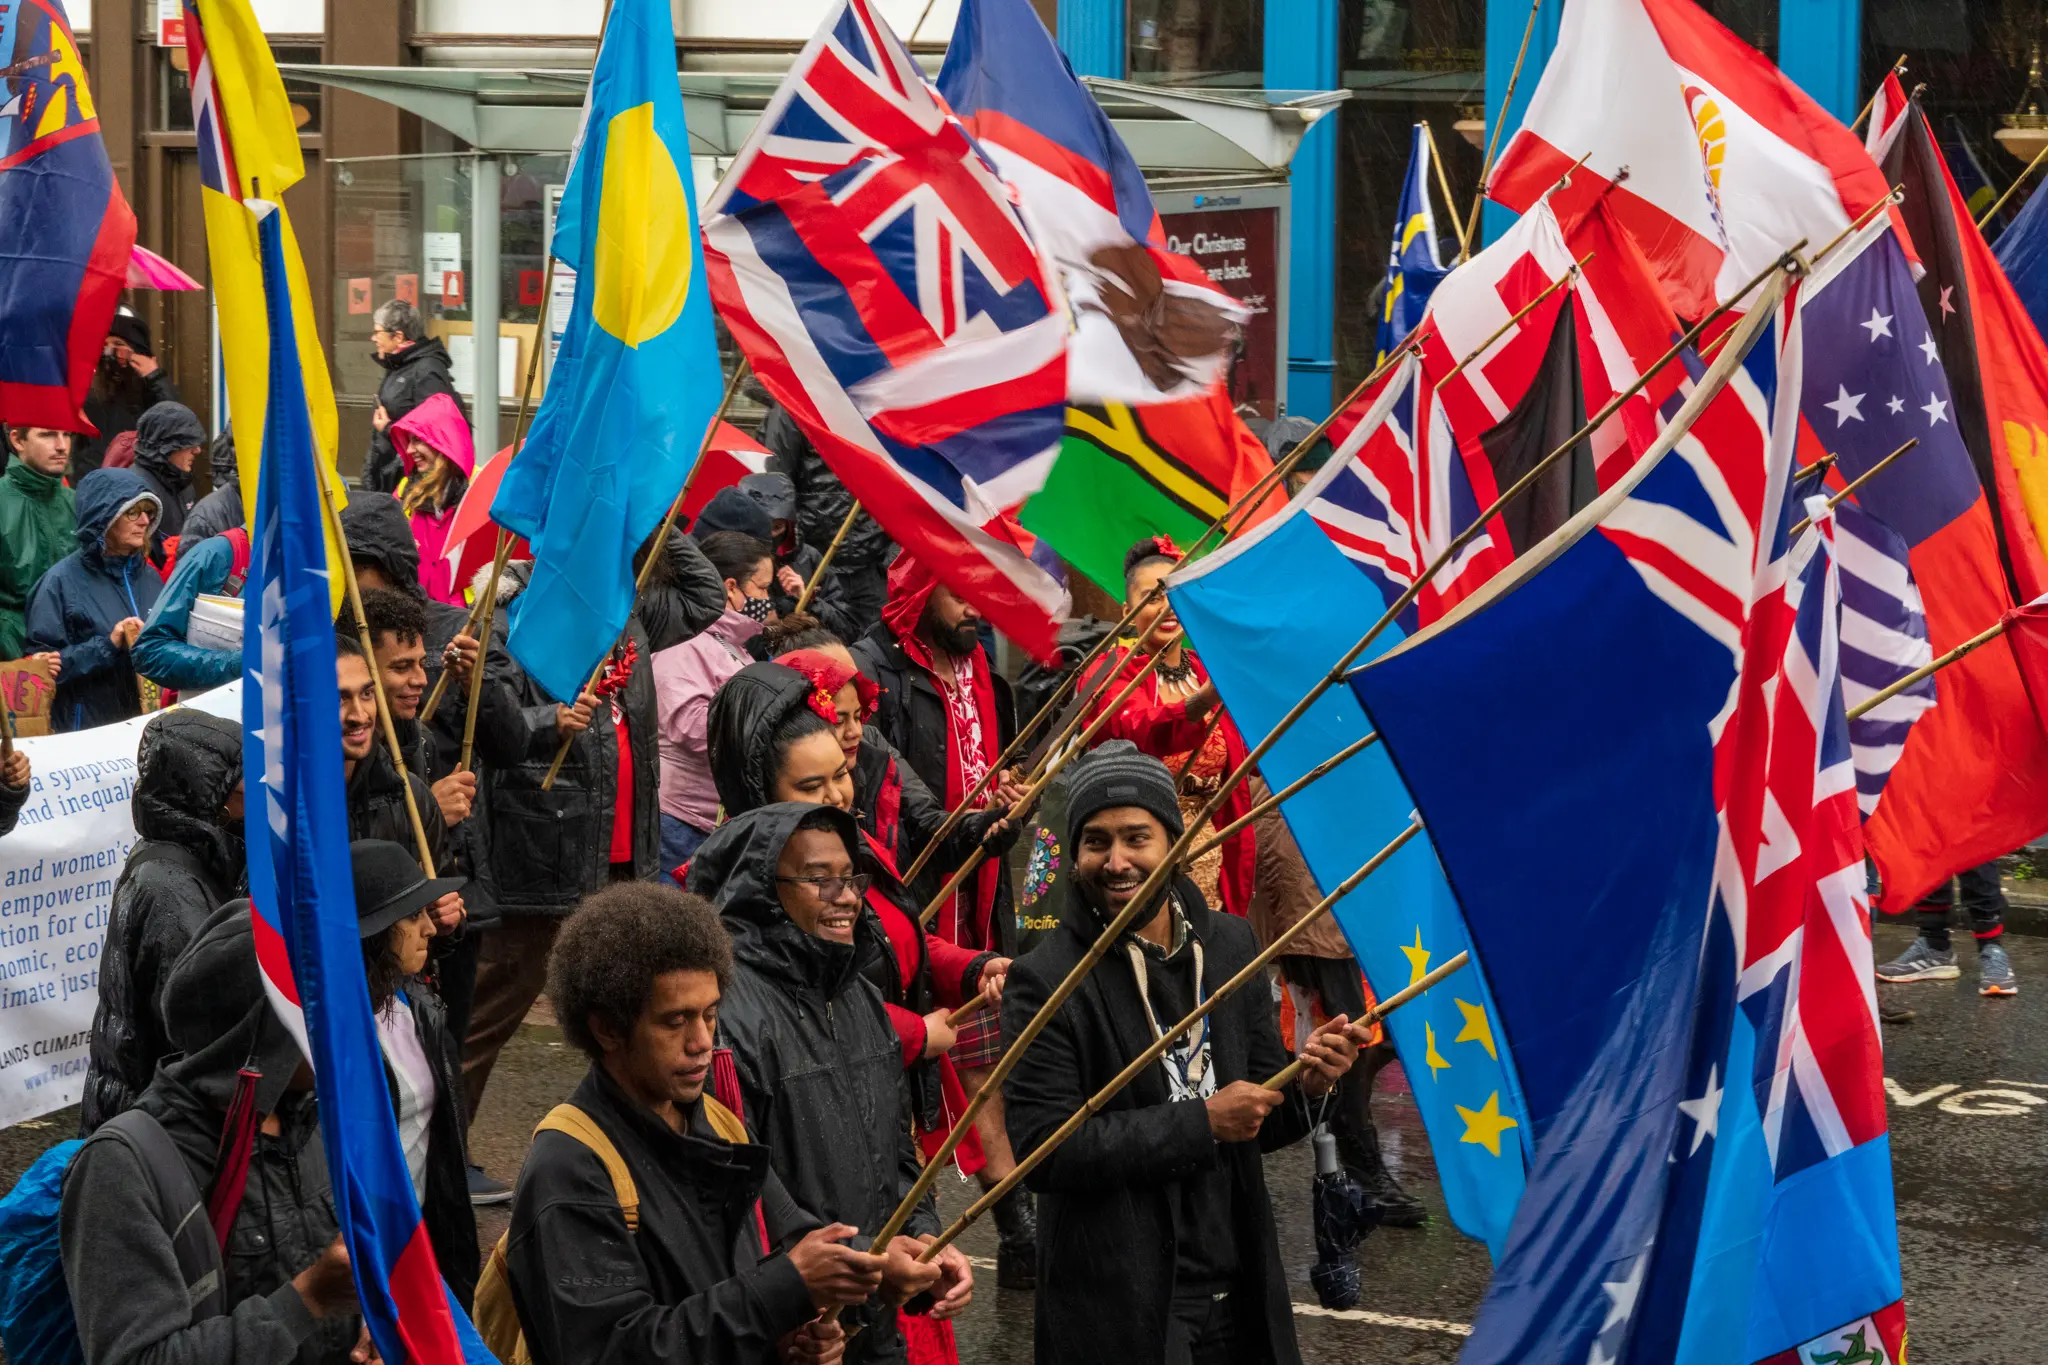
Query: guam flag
[67,230]
[300,883]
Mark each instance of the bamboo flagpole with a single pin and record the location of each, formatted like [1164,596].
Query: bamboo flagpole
[824,563]
[1030,797]
[1967,647]
[1898,68]
[1500,119]
[6,732]
[2017,181]
[1288,793]
[653,557]
[1145,1060]
[355,602]
[1443,184]
[482,608]
[1838,498]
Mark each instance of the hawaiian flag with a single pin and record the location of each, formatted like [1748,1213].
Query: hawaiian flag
[872,265]
[1888,109]
[64,250]
[301,884]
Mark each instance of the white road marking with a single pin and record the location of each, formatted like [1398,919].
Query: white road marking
[2031,1085]
[1905,1099]
[1313,1310]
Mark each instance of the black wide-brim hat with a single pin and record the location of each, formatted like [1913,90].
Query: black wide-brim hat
[390,886]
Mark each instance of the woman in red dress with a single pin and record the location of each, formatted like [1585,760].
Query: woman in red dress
[1170,714]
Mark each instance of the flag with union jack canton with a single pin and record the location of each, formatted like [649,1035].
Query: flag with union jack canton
[870,262]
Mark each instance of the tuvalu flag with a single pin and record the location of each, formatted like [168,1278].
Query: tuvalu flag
[249,149]
[1413,266]
[67,229]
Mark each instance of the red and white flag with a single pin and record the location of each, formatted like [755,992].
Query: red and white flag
[1728,162]
[1887,116]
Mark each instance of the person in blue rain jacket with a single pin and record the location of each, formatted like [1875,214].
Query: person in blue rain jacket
[89,608]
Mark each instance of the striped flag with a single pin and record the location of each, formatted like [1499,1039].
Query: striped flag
[301,886]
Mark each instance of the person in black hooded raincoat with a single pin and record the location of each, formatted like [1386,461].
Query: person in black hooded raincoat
[820,1067]
[189,863]
[238,1089]
[168,440]
[89,608]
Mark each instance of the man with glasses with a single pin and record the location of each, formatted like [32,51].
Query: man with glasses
[416,368]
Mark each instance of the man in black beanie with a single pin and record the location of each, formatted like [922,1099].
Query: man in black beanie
[1156,1237]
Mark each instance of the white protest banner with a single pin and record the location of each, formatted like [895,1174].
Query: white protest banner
[57,874]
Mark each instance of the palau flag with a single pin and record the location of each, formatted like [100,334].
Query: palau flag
[1413,267]
[65,230]
[1266,647]
[301,885]
[249,149]
[637,380]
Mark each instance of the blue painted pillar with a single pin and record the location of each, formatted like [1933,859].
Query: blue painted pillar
[1301,54]
[1092,35]
[1506,20]
[1820,45]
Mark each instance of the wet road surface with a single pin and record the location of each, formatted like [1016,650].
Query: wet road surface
[1968,1081]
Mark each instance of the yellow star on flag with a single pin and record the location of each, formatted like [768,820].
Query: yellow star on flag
[1418,958]
[1477,1029]
[1430,1054]
[1485,1125]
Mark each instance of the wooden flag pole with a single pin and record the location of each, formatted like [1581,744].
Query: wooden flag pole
[1821,465]
[6,732]
[1837,499]
[818,574]
[476,670]
[1293,789]
[653,557]
[1443,184]
[2018,181]
[1500,119]
[1061,756]
[355,602]
[1144,1061]
[1969,646]
[481,609]
[1897,68]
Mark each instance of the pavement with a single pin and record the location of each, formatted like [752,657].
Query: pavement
[1968,1081]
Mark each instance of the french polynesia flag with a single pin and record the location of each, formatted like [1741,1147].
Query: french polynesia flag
[1728,162]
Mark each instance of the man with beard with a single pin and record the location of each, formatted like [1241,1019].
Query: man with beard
[1158,1242]
[376,800]
[415,368]
[127,384]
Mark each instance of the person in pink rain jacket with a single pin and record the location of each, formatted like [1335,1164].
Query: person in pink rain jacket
[439,455]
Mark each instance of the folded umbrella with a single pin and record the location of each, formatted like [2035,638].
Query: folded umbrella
[147,270]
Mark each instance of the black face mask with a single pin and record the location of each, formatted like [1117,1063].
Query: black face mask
[111,366]
[757,609]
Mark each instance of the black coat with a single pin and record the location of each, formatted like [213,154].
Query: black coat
[376,805]
[1106,1196]
[221,510]
[850,600]
[912,716]
[684,594]
[451,1222]
[411,376]
[115,408]
[186,866]
[693,1284]
[164,429]
[876,771]
[12,799]
[819,1064]
[550,849]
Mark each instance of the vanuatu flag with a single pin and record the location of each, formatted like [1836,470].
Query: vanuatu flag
[1126,472]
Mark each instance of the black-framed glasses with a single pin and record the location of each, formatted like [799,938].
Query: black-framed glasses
[828,888]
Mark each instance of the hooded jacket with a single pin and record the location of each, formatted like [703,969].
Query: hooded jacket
[438,424]
[1108,1196]
[694,1283]
[856,585]
[80,601]
[164,429]
[117,399]
[686,678]
[411,376]
[221,509]
[376,804]
[131,1304]
[164,652]
[913,717]
[37,519]
[550,849]
[684,594]
[188,863]
[818,1062]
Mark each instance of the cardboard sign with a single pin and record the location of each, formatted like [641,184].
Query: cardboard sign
[27,689]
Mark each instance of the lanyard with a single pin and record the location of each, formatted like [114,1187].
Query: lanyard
[1194,1058]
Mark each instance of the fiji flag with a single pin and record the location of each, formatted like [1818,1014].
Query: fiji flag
[638,377]
[300,883]
[1265,650]
[64,249]
[1413,268]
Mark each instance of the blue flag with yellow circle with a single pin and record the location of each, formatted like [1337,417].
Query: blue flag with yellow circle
[1413,267]
[1265,648]
[637,380]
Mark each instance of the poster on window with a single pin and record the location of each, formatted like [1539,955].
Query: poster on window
[1236,241]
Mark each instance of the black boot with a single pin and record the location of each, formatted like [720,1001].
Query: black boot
[1017,1244]
[1360,1152]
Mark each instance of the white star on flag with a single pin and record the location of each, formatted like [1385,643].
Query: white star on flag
[1928,349]
[1846,405]
[1880,324]
[1625,1294]
[1936,409]
[1705,1112]
[1896,406]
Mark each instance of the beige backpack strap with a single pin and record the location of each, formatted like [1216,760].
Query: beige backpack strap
[724,1122]
[567,1119]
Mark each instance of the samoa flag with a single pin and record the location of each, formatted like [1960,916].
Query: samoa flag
[64,253]
[301,885]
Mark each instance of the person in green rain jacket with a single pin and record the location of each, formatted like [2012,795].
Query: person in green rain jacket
[37,524]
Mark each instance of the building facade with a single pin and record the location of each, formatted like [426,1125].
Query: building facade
[388,196]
